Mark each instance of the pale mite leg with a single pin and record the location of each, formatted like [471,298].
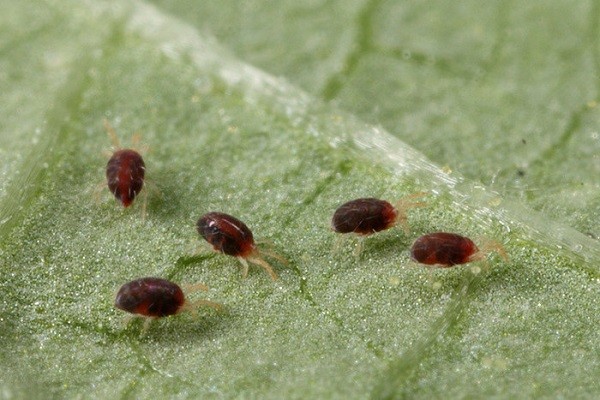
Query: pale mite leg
[404,204]
[208,303]
[147,322]
[360,245]
[110,131]
[245,266]
[274,255]
[267,267]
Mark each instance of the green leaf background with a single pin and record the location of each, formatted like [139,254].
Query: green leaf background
[278,113]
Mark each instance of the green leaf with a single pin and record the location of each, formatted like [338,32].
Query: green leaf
[224,135]
[506,94]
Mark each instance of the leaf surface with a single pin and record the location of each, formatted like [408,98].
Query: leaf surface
[226,136]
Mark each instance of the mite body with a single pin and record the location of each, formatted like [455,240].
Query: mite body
[153,298]
[229,235]
[364,216]
[150,297]
[125,170]
[226,234]
[125,175]
[448,249]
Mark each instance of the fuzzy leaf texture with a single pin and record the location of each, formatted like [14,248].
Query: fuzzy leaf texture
[277,115]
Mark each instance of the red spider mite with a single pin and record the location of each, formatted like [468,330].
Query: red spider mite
[156,298]
[231,236]
[366,216]
[448,249]
[125,171]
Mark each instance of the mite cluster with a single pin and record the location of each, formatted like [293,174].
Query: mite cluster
[156,297]
[367,216]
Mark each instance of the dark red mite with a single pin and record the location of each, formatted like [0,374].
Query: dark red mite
[449,249]
[229,235]
[125,171]
[155,298]
[150,297]
[125,175]
[366,216]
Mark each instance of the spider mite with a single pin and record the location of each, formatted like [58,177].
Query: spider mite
[156,298]
[366,216]
[231,236]
[449,249]
[125,170]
